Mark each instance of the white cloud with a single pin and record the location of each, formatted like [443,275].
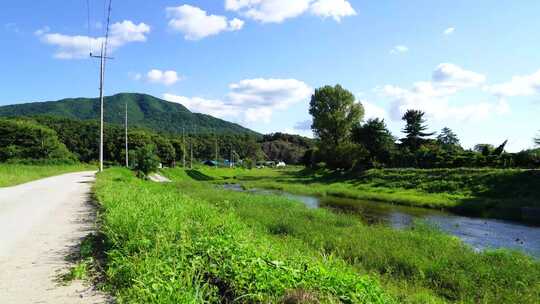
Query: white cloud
[250,100]
[236,24]
[373,111]
[76,47]
[274,93]
[214,107]
[434,97]
[449,31]
[277,11]
[336,9]
[163,77]
[196,24]
[42,31]
[526,85]
[454,77]
[399,49]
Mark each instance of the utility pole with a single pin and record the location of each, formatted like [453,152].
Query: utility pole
[191,149]
[184,148]
[127,147]
[216,147]
[103,57]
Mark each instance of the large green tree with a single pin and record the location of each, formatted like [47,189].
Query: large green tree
[376,138]
[447,137]
[24,139]
[415,129]
[334,112]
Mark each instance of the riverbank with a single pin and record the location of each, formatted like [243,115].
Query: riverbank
[166,243]
[416,265]
[490,193]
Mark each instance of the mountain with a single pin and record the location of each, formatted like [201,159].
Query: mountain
[143,111]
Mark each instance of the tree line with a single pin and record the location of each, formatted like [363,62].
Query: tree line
[49,137]
[346,141]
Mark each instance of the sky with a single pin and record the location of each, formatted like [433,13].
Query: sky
[473,66]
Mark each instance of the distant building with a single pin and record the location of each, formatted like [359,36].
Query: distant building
[210,163]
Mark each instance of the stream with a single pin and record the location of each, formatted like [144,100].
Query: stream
[477,232]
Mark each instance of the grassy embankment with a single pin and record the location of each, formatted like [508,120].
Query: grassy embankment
[190,242]
[498,193]
[167,246]
[15,174]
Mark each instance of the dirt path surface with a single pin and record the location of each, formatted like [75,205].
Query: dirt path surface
[41,223]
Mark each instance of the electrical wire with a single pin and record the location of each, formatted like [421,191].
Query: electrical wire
[89,28]
[107,29]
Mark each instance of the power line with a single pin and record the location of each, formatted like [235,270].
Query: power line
[88,27]
[107,28]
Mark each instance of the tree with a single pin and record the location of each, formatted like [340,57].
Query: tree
[414,129]
[448,137]
[537,141]
[165,150]
[145,160]
[376,138]
[346,155]
[484,149]
[500,149]
[25,139]
[334,112]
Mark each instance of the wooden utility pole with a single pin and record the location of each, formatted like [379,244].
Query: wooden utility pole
[127,147]
[216,147]
[184,148]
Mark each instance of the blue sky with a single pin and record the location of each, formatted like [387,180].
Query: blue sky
[473,66]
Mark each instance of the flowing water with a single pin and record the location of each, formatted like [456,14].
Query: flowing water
[479,233]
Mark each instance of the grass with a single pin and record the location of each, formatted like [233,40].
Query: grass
[418,265]
[15,174]
[167,245]
[498,193]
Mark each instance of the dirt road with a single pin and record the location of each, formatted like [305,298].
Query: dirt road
[40,224]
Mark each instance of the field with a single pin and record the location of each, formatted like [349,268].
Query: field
[497,193]
[192,242]
[15,174]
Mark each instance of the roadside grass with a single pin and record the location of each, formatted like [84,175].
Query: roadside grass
[165,245]
[498,193]
[15,174]
[417,265]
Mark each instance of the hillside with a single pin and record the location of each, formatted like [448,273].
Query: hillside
[144,111]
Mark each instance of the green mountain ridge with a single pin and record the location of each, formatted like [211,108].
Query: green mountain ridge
[143,111]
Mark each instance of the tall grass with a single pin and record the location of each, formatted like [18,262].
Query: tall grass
[15,174]
[417,265]
[165,245]
[498,193]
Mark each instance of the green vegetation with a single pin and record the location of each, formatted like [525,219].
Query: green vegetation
[418,265]
[499,193]
[344,141]
[29,140]
[15,174]
[165,245]
[145,160]
[144,111]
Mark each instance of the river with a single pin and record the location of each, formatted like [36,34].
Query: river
[479,233]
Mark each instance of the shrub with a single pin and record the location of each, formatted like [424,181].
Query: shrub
[145,161]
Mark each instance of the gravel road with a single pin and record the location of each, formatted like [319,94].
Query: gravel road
[41,223]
